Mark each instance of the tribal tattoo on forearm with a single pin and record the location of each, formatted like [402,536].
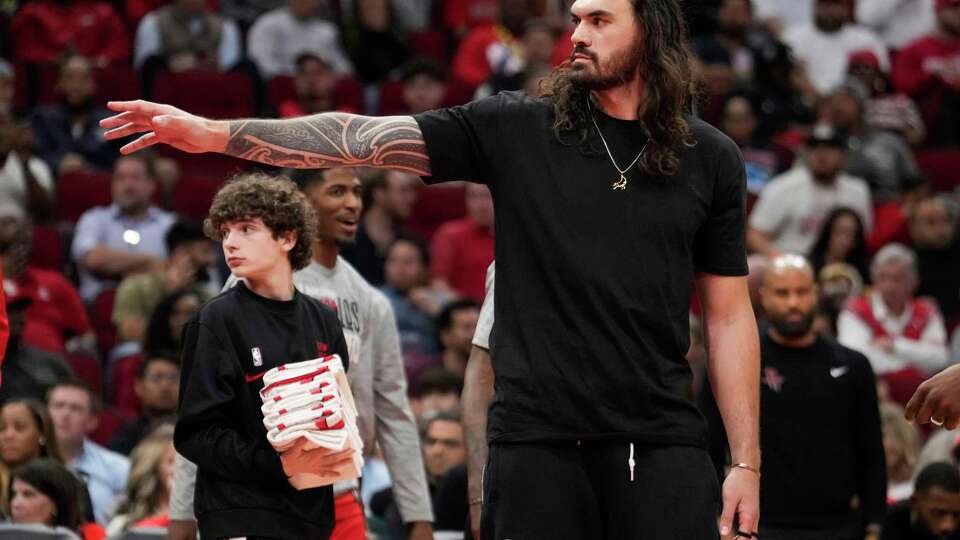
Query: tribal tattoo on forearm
[330,140]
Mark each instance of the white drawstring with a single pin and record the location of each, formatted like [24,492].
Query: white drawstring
[630,462]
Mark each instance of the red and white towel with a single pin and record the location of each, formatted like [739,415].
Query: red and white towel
[312,400]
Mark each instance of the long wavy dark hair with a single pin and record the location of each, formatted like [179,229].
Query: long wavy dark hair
[668,92]
[858,256]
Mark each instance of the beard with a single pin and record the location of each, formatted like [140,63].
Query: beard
[791,329]
[620,69]
[829,24]
[347,241]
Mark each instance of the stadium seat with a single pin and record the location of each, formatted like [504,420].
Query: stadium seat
[79,191]
[142,533]
[87,367]
[100,318]
[34,531]
[210,94]
[117,83]
[348,95]
[280,89]
[435,206]
[209,165]
[391,99]
[109,422]
[123,373]
[941,167]
[47,249]
[192,196]
[430,44]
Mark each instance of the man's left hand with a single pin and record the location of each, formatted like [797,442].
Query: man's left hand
[741,499]
[421,530]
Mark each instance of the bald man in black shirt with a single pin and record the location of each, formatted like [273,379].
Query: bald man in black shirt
[823,475]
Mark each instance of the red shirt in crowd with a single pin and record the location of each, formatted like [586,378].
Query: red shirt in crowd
[462,15]
[471,64]
[460,253]
[45,30]
[4,324]
[927,70]
[57,312]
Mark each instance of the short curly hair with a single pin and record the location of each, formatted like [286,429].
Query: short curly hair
[273,199]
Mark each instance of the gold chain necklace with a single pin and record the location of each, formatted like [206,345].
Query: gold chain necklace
[620,184]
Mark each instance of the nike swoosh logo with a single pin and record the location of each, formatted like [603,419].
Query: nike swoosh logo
[251,378]
[838,371]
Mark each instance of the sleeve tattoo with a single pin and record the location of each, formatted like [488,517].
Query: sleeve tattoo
[330,140]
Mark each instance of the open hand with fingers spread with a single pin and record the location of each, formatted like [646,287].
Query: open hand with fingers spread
[164,124]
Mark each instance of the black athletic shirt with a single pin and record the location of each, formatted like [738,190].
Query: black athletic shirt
[227,347]
[820,437]
[592,284]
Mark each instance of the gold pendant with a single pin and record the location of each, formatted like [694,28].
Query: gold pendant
[620,184]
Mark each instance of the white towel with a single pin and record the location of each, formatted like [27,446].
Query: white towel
[312,400]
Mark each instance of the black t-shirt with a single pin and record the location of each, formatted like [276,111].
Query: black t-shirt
[592,284]
[228,345]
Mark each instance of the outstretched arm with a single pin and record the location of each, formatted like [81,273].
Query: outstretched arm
[310,142]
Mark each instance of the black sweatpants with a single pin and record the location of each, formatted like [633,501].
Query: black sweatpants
[584,491]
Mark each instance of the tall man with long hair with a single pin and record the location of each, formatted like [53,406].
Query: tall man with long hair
[609,202]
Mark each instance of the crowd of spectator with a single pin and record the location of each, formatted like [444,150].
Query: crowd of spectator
[847,114]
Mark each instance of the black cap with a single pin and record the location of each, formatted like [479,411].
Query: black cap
[826,135]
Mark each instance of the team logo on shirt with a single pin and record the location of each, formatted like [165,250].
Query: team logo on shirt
[327,301]
[257,358]
[773,379]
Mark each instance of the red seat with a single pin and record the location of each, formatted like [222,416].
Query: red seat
[117,83]
[192,196]
[100,318]
[348,95]
[430,44]
[214,95]
[77,192]
[47,248]
[123,375]
[87,367]
[280,89]
[391,99]
[110,421]
[208,165]
[941,167]
[435,206]
[458,93]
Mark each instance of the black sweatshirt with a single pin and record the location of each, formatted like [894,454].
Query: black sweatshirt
[820,437]
[228,345]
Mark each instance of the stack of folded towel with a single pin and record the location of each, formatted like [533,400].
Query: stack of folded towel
[312,400]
